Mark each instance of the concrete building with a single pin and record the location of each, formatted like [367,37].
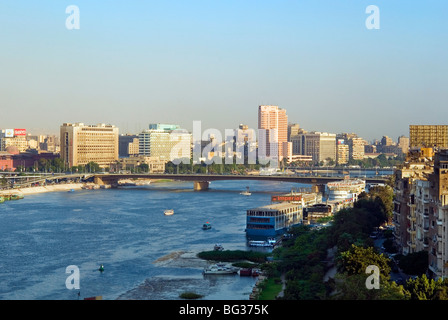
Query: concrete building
[356,148]
[167,142]
[421,207]
[403,144]
[428,136]
[274,121]
[319,145]
[128,145]
[81,144]
[13,138]
[342,151]
[155,165]
[293,130]
[408,178]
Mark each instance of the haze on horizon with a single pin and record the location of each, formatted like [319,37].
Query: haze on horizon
[132,63]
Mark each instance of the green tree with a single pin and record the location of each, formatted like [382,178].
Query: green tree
[353,287]
[423,288]
[357,259]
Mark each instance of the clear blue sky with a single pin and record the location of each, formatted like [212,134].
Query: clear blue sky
[137,62]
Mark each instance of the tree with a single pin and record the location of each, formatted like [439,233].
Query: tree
[357,259]
[354,288]
[423,288]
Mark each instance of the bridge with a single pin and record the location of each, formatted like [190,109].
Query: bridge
[202,181]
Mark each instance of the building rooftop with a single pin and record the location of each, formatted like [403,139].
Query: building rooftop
[277,206]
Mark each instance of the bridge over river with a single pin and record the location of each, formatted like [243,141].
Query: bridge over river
[201,181]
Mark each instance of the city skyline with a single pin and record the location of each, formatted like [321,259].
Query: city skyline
[178,62]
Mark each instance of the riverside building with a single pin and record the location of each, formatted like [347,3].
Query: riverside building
[81,144]
[421,207]
[273,219]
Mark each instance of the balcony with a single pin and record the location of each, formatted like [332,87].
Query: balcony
[411,230]
[411,244]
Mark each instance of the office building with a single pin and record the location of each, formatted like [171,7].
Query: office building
[273,122]
[321,146]
[342,152]
[128,145]
[167,142]
[428,136]
[356,148]
[81,144]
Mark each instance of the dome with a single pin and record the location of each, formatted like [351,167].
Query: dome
[12,150]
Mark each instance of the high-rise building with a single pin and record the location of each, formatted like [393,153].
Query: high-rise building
[356,148]
[81,144]
[403,144]
[13,138]
[274,121]
[428,136]
[342,151]
[128,145]
[421,207]
[167,142]
[293,130]
[321,146]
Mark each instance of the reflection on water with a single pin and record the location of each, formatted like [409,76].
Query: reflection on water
[125,229]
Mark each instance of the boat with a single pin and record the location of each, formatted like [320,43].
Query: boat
[169,212]
[218,247]
[270,242]
[101,268]
[347,189]
[71,190]
[247,272]
[206,226]
[219,269]
[246,193]
[272,220]
[16,196]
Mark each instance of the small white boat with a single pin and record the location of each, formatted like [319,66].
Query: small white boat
[246,193]
[220,269]
[169,212]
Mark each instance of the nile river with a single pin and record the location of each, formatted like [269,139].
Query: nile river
[146,255]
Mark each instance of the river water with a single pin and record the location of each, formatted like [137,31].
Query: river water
[146,255]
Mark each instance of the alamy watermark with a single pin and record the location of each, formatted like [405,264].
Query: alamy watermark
[373,281]
[73,280]
[73,20]
[236,146]
[373,20]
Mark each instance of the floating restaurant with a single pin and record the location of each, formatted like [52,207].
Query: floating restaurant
[273,219]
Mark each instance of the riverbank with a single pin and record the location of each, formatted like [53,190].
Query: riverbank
[74,186]
[43,189]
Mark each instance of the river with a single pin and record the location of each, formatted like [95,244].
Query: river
[146,255]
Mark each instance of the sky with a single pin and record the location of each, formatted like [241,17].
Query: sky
[132,63]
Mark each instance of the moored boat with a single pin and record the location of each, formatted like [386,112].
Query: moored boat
[219,269]
[270,242]
[16,196]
